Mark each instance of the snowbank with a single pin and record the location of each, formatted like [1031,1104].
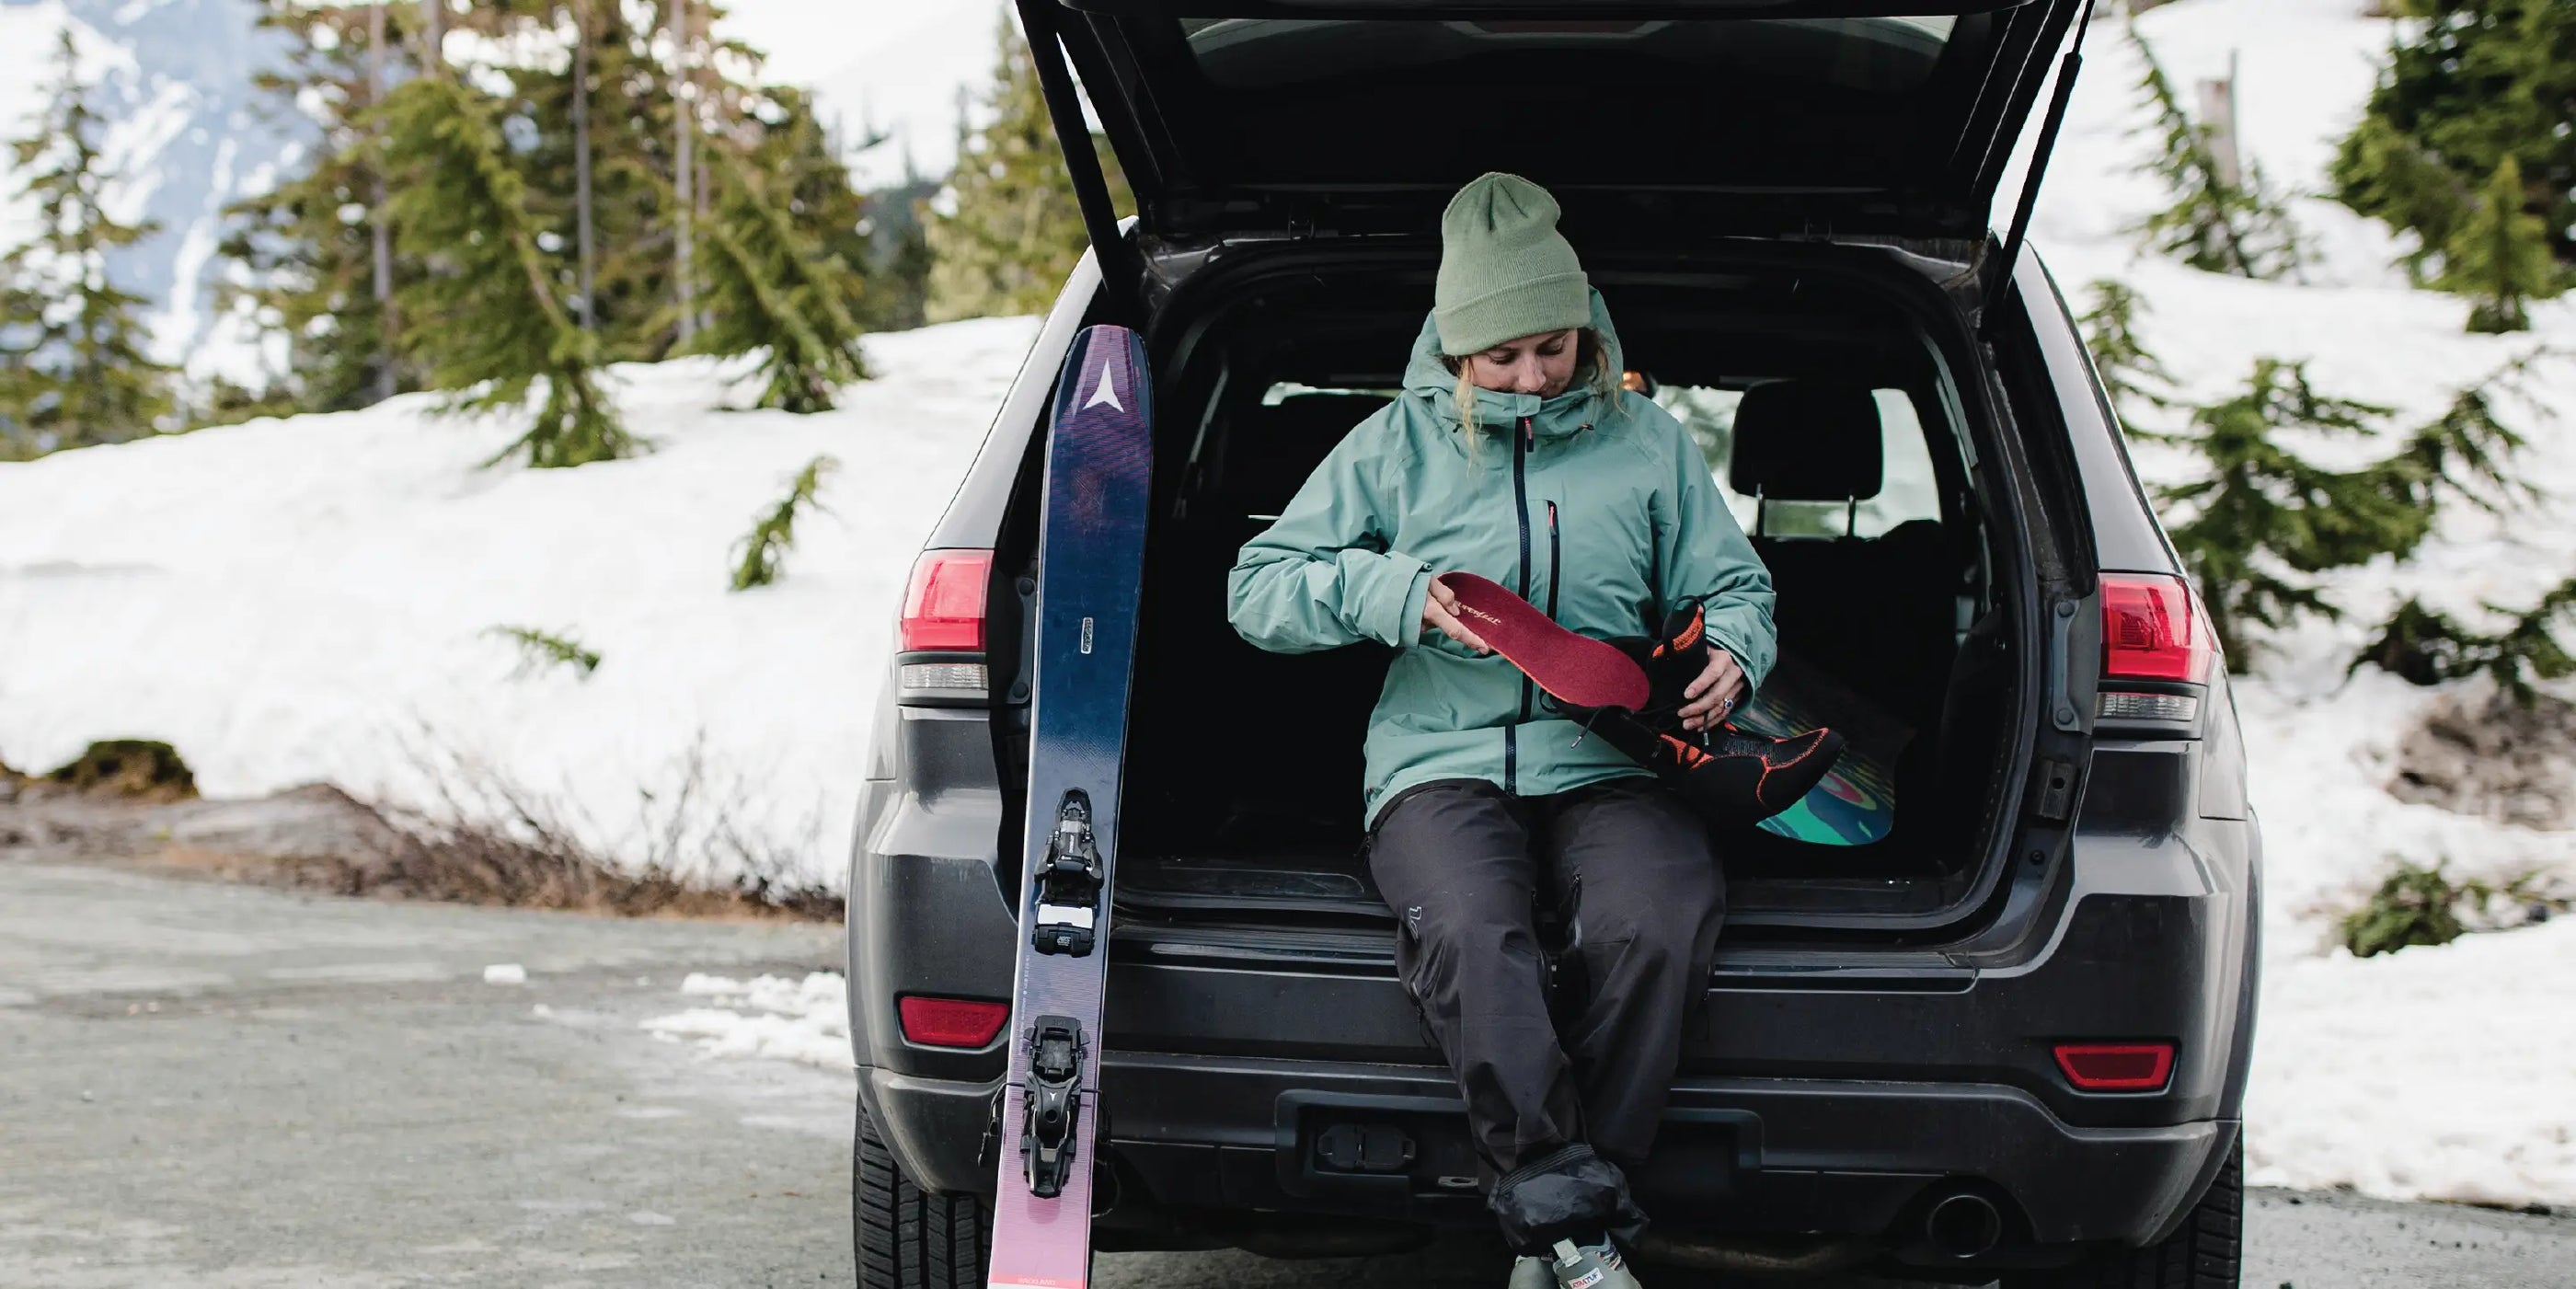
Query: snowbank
[771,1017]
[2433,1072]
[307,599]
[2428,1073]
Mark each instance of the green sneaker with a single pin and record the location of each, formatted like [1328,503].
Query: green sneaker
[1592,1266]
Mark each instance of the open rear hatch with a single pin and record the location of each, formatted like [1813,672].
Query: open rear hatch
[1878,117]
[1660,126]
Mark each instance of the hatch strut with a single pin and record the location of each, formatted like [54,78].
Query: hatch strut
[1120,270]
[2066,70]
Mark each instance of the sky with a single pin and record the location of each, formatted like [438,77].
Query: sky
[893,64]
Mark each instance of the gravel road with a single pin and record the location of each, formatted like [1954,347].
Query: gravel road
[233,1088]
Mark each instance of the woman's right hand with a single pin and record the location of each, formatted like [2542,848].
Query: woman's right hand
[1440,613]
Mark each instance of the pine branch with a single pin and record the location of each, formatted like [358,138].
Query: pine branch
[2464,451]
[763,553]
[2426,647]
[2129,372]
[2264,519]
[542,649]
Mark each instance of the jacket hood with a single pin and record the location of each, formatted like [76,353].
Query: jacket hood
[1427,376]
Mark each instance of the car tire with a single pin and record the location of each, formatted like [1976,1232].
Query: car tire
[906,1237]
[2206,1253]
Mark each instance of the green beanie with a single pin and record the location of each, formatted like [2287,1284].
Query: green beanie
[1505,272]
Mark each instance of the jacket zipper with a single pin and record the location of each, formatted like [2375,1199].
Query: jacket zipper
[1551,561]
[1521,445]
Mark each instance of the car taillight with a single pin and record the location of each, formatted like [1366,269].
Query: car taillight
[2116,1067]
[951,1022]
[943,606]
[2153,629]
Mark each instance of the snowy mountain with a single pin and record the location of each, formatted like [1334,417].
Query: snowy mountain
[189,135]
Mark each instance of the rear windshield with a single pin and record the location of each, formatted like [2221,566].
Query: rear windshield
[1865,55]
[1793,104]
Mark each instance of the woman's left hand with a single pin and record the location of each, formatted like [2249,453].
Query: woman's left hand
[1712,698]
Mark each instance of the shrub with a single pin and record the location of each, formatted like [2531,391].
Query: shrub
[2417,905]
[138,768]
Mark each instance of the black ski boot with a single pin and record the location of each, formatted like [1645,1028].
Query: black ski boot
[1734,779]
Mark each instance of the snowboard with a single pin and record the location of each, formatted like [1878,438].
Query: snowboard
[1091,547]
[1856,803]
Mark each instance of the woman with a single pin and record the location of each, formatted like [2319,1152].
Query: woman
[1515,454]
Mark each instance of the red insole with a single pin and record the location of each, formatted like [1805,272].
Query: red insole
[1576,669]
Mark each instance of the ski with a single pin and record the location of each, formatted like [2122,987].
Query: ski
[1091,548]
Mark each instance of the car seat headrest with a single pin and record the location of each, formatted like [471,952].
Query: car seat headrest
[1807,440]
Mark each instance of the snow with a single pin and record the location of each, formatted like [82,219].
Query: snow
[2425,1074]
[770,1017]
[309,598]
[288,601]
[505,973]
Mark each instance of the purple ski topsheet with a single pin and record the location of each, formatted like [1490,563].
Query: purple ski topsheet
[1099,458]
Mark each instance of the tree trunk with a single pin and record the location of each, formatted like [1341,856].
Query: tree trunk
[581,154]
[433,34]
[380,232]
[684,168]
[2218,123]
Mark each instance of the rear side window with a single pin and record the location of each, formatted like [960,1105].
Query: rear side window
[1908,489]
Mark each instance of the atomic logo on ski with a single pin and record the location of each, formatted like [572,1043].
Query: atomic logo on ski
[1107,393]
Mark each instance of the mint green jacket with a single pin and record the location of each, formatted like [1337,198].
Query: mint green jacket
[1603,509]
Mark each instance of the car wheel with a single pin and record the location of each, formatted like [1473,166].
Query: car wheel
[2205,1254]
[906,1237]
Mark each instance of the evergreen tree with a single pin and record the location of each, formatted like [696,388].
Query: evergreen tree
[771,287]
[1010,229]
[899,258]
[2380,171]
[488,322]
[799,161]
[307,245]
[2265,517]
[2216,224]
[2468,84]
[74,365]
[2264,521]
[630,119]
[2499,257]
[2131,375]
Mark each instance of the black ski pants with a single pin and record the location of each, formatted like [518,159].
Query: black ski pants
[1629,870]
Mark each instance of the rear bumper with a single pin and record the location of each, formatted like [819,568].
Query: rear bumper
[1738,1156]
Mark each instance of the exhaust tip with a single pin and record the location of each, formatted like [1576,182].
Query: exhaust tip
[1963,1225]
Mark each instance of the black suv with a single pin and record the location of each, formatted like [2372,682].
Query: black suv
[1999,1030]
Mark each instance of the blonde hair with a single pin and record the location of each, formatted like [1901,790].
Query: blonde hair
[1590,352]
